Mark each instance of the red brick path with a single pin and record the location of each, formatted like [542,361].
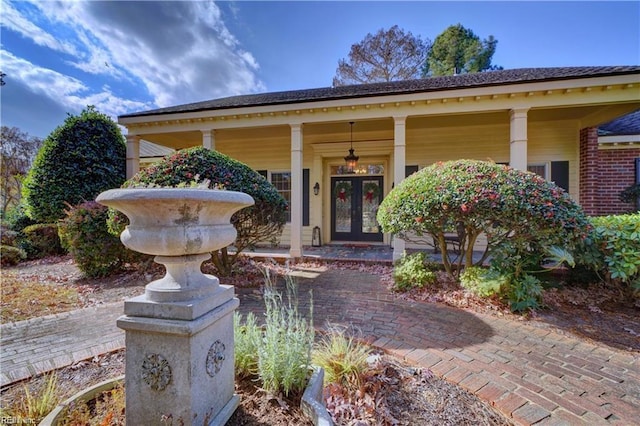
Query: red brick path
[532,374]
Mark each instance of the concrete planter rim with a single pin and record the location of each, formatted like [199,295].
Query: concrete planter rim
[87,394]
[312,403]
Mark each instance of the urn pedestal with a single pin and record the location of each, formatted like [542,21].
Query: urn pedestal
[179,334]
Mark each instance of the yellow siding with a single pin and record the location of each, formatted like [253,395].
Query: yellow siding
[267,150]
[481,142]
[427,141]
[557,141]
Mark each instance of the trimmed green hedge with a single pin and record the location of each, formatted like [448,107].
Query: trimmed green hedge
[613,249]
[84,234]
[40,240]
[10,255]
[79,159]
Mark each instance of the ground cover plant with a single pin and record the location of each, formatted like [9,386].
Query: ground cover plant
[411,270]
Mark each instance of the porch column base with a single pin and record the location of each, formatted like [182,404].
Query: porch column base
[399,246]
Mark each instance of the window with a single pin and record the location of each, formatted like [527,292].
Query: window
[539,169]
[282,182]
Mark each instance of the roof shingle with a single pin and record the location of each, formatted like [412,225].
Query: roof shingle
[432,84]
[626,125]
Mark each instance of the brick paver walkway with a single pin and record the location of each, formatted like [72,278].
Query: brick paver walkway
[531,373]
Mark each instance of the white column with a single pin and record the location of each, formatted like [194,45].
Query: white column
[399,163]
[208,139]
[296,191]
[133,155]
[518,147]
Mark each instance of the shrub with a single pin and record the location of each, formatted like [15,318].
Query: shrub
[78,160]
[280,352]
[483,282]
[261,222]
[40,240]
[507,205]
[84,233]
[10,255]
[248,337]
[411,271]
[343,359]
[16,218]
[7,237]
[612,249]
[525,292]
[284,355]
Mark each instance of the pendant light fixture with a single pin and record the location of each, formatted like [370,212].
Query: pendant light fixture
[351,159]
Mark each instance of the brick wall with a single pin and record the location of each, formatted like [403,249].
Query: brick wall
[589,173]
[616,172]
[603,174]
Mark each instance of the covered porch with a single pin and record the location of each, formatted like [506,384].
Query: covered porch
[299,139]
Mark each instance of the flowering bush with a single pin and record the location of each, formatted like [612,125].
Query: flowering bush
[261,222]
[514,209]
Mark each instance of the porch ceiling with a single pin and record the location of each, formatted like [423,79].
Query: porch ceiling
[585,116]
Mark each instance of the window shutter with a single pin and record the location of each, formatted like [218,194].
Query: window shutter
[560,174]
[305,197]
[409,170]
[263,173]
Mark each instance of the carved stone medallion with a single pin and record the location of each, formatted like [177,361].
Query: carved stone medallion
[215,358]
[156,372]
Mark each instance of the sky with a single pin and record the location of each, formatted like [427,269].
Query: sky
[126,56]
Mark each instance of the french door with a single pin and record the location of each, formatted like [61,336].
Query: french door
[354,205]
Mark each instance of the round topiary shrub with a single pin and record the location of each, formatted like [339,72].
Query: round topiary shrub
[261,222]
[40,240]
[84,234]
[10,255]
[519,212]
[78,160]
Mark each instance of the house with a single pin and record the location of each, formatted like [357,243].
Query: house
[540,119]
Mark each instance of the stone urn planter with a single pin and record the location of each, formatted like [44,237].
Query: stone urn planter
[180,226]
[179,334]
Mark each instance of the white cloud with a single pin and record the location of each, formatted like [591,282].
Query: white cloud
[69,93]
[179,51]
[14,20]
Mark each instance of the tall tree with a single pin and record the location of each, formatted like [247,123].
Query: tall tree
[459,51]
[17,151]
[385,56]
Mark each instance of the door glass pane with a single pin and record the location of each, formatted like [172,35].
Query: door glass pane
[370,202]
[342,192]
[361,169]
